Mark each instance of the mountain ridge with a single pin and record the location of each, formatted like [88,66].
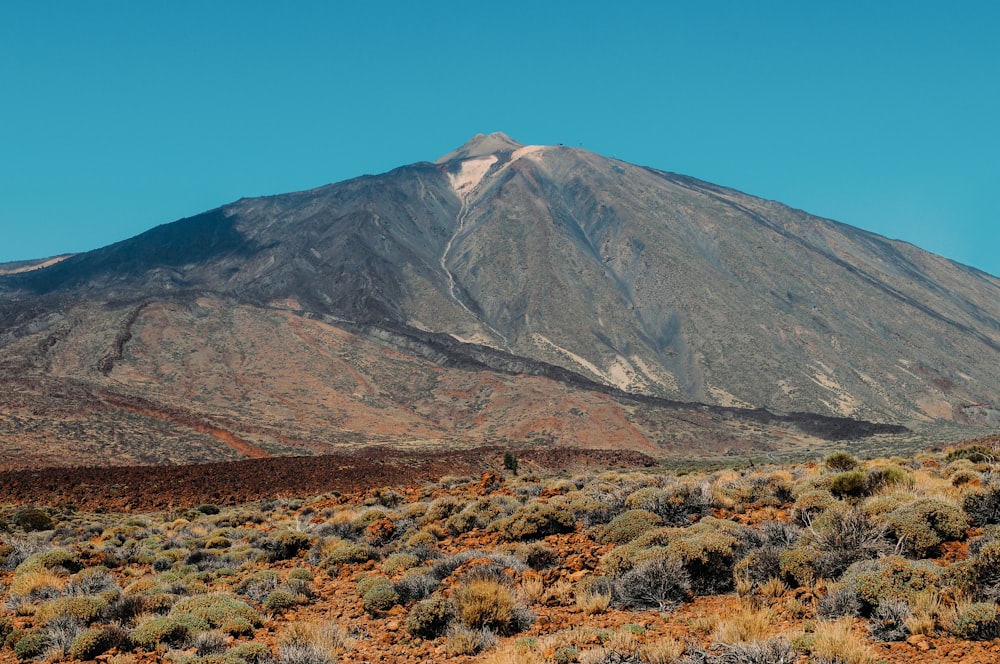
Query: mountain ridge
[593,271]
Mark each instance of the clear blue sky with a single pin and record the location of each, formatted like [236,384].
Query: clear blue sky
[119,116]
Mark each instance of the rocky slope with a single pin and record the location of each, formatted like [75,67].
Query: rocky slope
[546,260]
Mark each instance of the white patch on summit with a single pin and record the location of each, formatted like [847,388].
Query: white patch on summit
[525,151]
[470,174]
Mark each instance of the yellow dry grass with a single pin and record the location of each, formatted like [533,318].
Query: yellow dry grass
[836,642]
[747,624]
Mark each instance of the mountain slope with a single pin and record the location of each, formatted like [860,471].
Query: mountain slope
[645,281]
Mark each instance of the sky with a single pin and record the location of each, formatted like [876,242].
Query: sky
[119,116]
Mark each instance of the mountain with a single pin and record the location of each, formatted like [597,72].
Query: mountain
[347,309]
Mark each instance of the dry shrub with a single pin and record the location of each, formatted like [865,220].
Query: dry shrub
[593,596]
[888,622]
[771,651]
[123,658]
[463,640]
[622,641]
[844,535]
[512,655]
[594,656]
[325,638]
[835,643]
[703,625]
[796,608]
[485,603]
[660,583]
[560,593]
[533,589]
[772,588]
[35,580]
[925,610]
[665,650]
[745,625]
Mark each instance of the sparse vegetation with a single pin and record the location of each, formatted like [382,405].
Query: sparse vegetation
[465,567]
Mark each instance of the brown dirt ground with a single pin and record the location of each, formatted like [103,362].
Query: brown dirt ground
[141,488]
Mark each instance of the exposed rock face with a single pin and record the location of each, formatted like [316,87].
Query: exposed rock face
[593,269]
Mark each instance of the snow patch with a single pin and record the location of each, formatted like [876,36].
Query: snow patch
[525,151]
[470,174]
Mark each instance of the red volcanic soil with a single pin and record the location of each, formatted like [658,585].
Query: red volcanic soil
[127,488]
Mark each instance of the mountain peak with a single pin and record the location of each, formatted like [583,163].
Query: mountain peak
[482,145]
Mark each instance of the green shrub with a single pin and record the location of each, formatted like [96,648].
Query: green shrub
[172,630]
[31,519]
[535,520]
[429,618]
[366,583]
[677,505]
[287,544]
[979,576]
[925,523]
[880,505]
[280,599]
[889,579]
[221,611]
[848,484]
[974,453]
[301,573]
[31,645]
[841,461]
[51,559]
[982,506]
[90,643]
[649,498]
[759,489]
[886,476]
[977,622]
[380,597]
[628,525]
[965,477]
[535,555]
[810,504]
[708,550]
[208,509]
[797,565]
[465,521]
[399,562]
[440,509]
[6,627]
[251,653]
[345,554]
[84,608]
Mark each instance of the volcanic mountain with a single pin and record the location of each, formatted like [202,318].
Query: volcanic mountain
[501,293]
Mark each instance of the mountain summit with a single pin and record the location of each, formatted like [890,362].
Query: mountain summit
[482,145]
[551,261]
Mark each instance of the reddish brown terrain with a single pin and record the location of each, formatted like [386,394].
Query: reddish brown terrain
[552,552]
[172,383]
[144,488]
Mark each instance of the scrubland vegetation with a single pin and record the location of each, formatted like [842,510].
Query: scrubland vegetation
[839,560]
